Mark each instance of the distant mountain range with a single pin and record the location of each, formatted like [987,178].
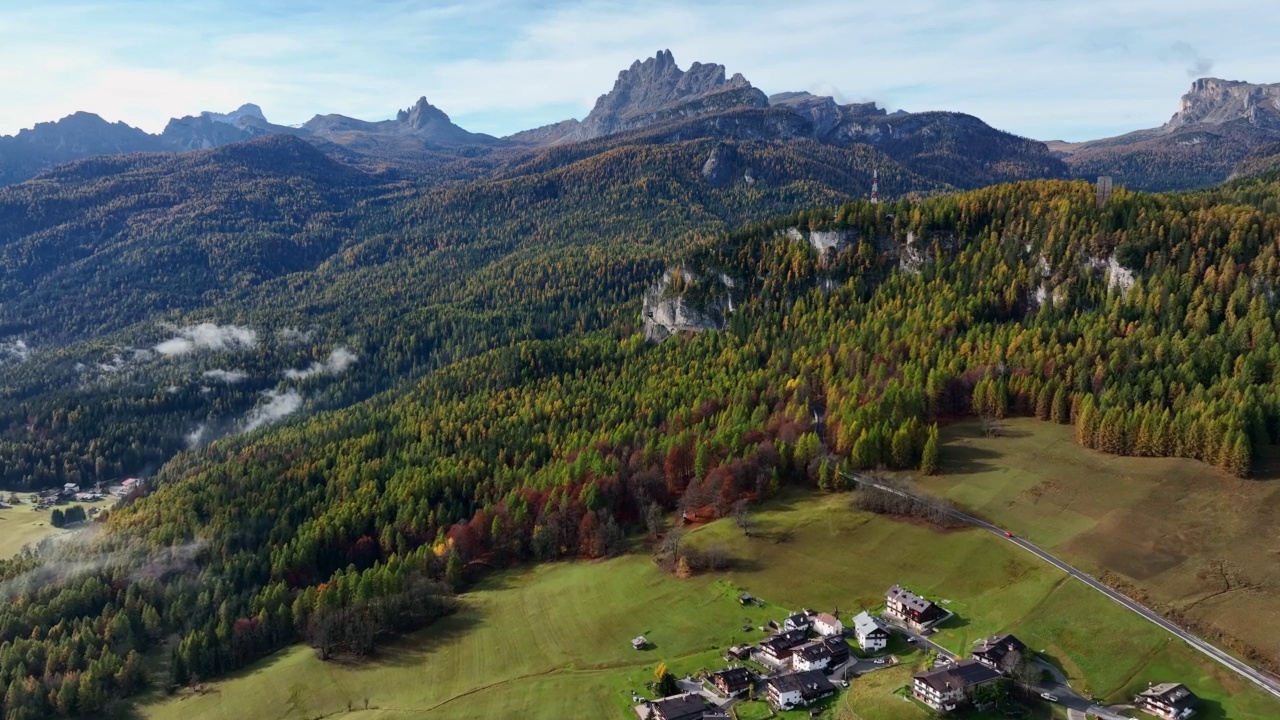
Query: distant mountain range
[1219,132]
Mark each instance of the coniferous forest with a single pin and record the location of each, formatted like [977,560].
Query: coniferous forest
[553,429]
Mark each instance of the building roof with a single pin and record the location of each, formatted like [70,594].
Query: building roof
[798,619]
[733,676]
[813,651]
[961,675]
[908,598]
[835,644]
[864,624]
[685,705]
[1175,695]
[810,683]
[996,647]
[828,619]
[783,640]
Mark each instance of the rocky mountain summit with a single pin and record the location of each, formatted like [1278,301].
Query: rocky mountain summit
[650,92]
[1216,133]
[1212,101]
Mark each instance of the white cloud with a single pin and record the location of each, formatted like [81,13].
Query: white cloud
[293,336]
[208,336]
[14,350]
[276,407]
[338,361]
[197,437]
[229,377]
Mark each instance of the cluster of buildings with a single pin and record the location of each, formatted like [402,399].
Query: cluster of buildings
[808,654]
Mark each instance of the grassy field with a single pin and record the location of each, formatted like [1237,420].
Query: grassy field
[553,641]
[24,525]
[1189,536]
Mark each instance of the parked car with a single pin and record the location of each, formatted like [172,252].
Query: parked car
[1049,696]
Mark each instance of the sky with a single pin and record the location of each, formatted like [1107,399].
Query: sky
[1048,69]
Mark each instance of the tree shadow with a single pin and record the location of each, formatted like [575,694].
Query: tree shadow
[967,459]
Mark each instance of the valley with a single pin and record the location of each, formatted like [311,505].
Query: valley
[555,640]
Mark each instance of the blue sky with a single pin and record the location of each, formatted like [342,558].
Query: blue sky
[1071,69]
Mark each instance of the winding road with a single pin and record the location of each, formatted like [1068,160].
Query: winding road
[1267,682]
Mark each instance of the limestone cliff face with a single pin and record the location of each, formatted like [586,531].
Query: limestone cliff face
[684,302]
[822,240]
[1212,101]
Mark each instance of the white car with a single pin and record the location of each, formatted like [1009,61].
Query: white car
[1049,696]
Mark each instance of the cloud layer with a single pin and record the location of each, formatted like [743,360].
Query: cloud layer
[1044,69]
[339,360]
[208,336]
[275,407]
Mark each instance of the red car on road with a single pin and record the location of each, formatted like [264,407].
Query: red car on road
[1008,534]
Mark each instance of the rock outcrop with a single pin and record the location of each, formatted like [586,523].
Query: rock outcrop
[684,302]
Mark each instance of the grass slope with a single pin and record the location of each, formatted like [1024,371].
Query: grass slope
[24,525]
[1186,534]
[553,641]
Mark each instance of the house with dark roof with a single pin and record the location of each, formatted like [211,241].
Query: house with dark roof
[911,609]
[946,688]
[777,649]
[732,681]
[838,648]
[798,689]
[799,621]
[871,633]
[1000,652]
[685,706]
[811,656]
[1171,701]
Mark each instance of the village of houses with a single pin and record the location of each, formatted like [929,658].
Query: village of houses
[807,658]
[71,492]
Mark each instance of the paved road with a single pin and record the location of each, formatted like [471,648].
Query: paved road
[1263,680]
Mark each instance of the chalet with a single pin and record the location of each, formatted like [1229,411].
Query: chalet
[732,681]
[1172,701]
[739,652]
[827,625]
[838,648]
[811,656]
[910,609]
[777,649]
[686,706]
[799,621]
[946,688]
[1000,652]
[798,689]
[871,633]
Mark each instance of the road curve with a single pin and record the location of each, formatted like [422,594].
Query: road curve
[1263,680]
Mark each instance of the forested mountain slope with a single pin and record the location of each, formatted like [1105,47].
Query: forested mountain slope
[107,260]
[1148,324]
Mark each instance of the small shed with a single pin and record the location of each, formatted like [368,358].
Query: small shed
[639,643]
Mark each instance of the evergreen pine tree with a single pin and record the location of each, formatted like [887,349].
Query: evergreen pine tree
[929,457]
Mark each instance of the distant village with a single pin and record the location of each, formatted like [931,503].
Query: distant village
[71,492]
[807,658]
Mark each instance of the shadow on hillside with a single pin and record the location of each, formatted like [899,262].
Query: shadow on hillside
[415,648]
[967,459]
[955,622]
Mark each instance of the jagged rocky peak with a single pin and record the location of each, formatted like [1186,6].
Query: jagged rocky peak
[657,89]
[422,115]
[1212,101]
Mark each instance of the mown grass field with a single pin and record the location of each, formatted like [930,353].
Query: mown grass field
[24,525]
[553,641]
[1186,534]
